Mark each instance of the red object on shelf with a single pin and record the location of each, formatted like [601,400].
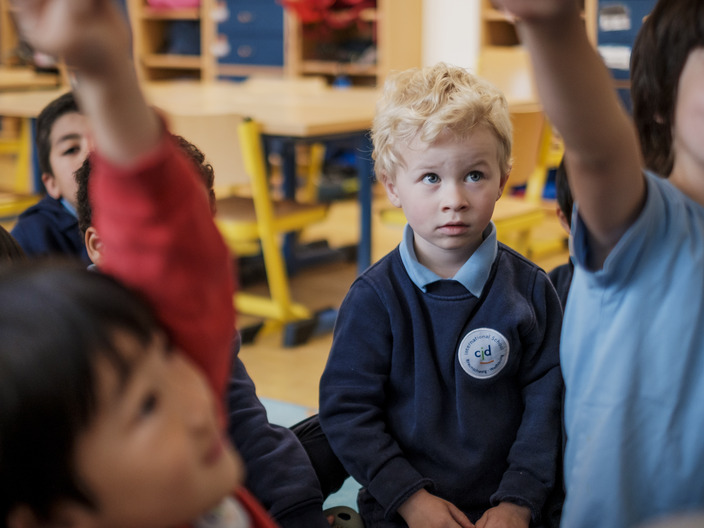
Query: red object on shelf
[335,13]
[174,4]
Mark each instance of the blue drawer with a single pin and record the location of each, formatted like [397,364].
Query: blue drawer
[265,51]
[618,22]
[253,17]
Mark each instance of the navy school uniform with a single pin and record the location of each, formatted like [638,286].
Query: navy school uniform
[446,390]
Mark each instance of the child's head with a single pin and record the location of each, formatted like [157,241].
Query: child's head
[423,103]
[101,421]
[85,210]
[63,143]
[442,146]
[10,250]
[662,49]
[563,194]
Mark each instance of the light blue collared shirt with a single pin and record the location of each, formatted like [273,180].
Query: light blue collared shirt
[69,207]
[472,275]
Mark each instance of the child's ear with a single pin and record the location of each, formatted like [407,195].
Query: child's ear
[390,187]
[52,189]
[94,245]
[502,184]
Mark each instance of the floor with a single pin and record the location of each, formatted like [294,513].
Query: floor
[292,374]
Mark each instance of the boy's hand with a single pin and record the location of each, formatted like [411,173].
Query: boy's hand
[424,510]
[505,515]
[535,9]
[86,34]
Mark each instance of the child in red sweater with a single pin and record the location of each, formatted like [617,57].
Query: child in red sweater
[111,392]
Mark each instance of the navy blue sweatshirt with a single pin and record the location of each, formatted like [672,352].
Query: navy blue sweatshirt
[446,391]
[47,228]
[279,472]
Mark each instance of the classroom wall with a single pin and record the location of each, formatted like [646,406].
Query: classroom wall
[451,32]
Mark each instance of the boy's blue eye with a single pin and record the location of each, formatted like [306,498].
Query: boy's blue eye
[475,176]
[431,177]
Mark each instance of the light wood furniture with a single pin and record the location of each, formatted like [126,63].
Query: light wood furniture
[290,117]
[263,220]
[500,48]
[394,25]
[149,30]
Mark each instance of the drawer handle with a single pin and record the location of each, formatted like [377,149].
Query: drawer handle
[244,17]
[245,51]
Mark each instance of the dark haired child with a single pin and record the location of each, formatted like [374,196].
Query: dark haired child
[442,391]
[124,427]
[50,227]
[10,250]
[633,333]
[279,472]
[561,276]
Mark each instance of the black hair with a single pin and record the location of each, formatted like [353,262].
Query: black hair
[56,320]
[62,105]
[563,194]
[84,209]
[672,30]
[10,250]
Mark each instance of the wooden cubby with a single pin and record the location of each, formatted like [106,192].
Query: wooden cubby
[393,29]
[504,61]
[150,28]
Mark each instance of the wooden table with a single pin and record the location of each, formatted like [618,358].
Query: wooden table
[290,116]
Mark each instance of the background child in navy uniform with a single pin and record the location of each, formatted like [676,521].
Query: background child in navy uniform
[442,391]
[561,276]
[279,472]
[132,398]
[50,227]
[633,333]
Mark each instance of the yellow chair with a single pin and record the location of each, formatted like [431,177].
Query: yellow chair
[264,220]
[14,201]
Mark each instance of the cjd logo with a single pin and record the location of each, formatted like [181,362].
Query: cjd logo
[483,353]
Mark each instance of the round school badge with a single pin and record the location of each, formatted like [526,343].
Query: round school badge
[483,353]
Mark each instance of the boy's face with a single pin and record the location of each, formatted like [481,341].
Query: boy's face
[688,133]
[448,190]
[155,454]
[69,146]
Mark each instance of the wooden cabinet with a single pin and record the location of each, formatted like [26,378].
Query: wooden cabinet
[503,60]
[234,38]
[384,38]
[157,56]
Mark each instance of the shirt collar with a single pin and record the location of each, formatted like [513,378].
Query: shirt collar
[472,275]
[71,209]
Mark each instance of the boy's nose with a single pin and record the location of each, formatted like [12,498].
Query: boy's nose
[453,198]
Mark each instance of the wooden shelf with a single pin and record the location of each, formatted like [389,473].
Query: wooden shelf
[178,62]
[393,28]
[152,13]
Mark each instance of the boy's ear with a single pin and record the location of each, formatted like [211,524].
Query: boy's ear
[390,188]
[502,184]
[94,245]
[50,185]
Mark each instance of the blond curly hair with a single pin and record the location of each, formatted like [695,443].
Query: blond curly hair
[424,102]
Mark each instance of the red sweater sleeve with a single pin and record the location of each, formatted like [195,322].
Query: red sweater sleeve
[160,239]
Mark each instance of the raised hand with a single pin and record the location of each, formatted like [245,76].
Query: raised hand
[86,34]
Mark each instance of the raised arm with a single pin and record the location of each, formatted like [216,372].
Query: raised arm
[602,154]
[150,209]
[92,37]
